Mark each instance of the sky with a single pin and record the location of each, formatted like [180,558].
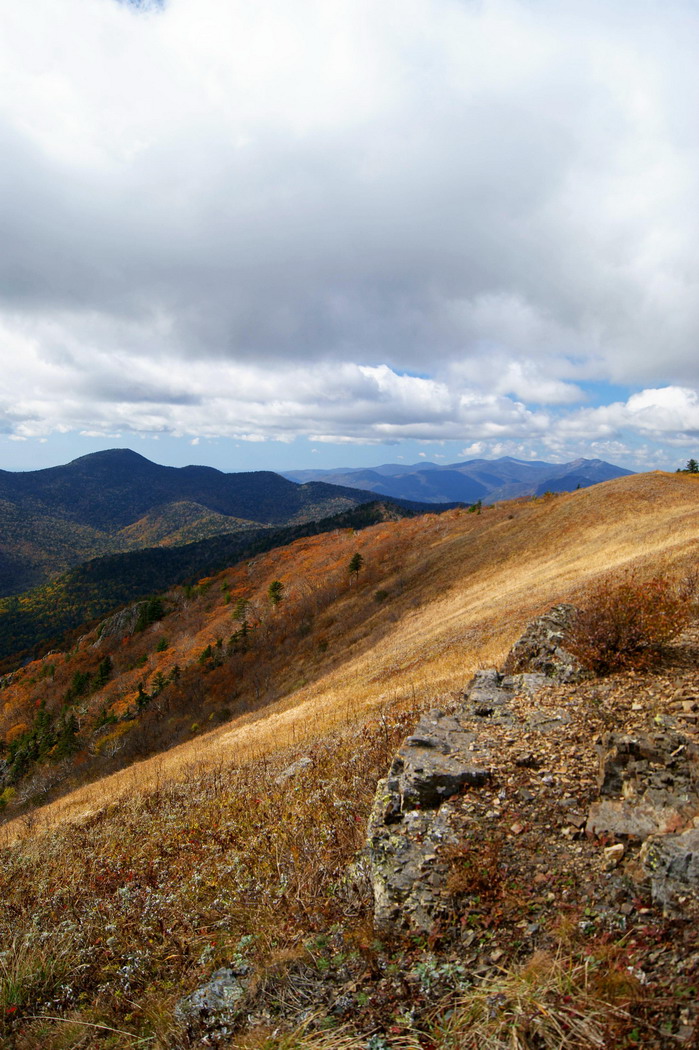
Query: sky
[348,232]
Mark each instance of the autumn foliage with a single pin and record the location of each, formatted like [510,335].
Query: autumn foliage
[626,622]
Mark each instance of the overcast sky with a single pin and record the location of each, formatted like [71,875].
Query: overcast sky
[335,232]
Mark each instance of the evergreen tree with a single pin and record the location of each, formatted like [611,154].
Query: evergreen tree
[143,698]
[67,735]
[150,612]
[275,592]
[356,562]
[103,672]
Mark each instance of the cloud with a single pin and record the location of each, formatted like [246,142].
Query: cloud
[423,219]
[670,413]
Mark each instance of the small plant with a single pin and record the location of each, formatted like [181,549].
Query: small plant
[625,623]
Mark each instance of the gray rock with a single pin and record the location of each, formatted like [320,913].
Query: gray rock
[213,1007]
[121,624]
[426,775]
[412,819]
[541,649]
[407,873]
[648,784]
[486,688]
[672,864]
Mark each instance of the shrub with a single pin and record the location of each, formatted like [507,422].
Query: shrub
[625,623]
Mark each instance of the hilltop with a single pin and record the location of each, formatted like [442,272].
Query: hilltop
[238,855]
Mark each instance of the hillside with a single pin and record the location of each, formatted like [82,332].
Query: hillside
[232,864]
[489,480]
[39,619]
[115,501]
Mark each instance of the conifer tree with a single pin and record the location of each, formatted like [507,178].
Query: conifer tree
[356,562]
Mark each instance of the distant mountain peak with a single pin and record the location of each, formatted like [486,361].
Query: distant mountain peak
[113,455]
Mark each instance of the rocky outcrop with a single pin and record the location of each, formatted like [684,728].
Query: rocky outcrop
[415,814]
[541,649]
[122,623]
[671,863]
[648,784]
[408,822]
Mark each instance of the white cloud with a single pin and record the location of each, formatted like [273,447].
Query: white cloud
[668,413]
[366,222]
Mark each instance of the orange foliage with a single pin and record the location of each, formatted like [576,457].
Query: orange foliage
[16,731]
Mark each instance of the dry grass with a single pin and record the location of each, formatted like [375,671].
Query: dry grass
[462,587]
[553,1002]
[106,923]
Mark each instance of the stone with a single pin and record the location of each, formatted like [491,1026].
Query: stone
[414,813]
[407,873]
[541,649]
[213,1007]
[672,864]
[411,821]
[432,764]
[613,855]
[648,785]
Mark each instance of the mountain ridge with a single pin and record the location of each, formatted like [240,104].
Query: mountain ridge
[470,480]
[103,496]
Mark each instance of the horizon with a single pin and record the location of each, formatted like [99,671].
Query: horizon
[288,470]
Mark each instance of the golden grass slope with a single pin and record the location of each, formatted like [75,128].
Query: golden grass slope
[462,586]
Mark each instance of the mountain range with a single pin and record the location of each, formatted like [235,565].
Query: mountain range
[79,540]
[117,500]
[477,479]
